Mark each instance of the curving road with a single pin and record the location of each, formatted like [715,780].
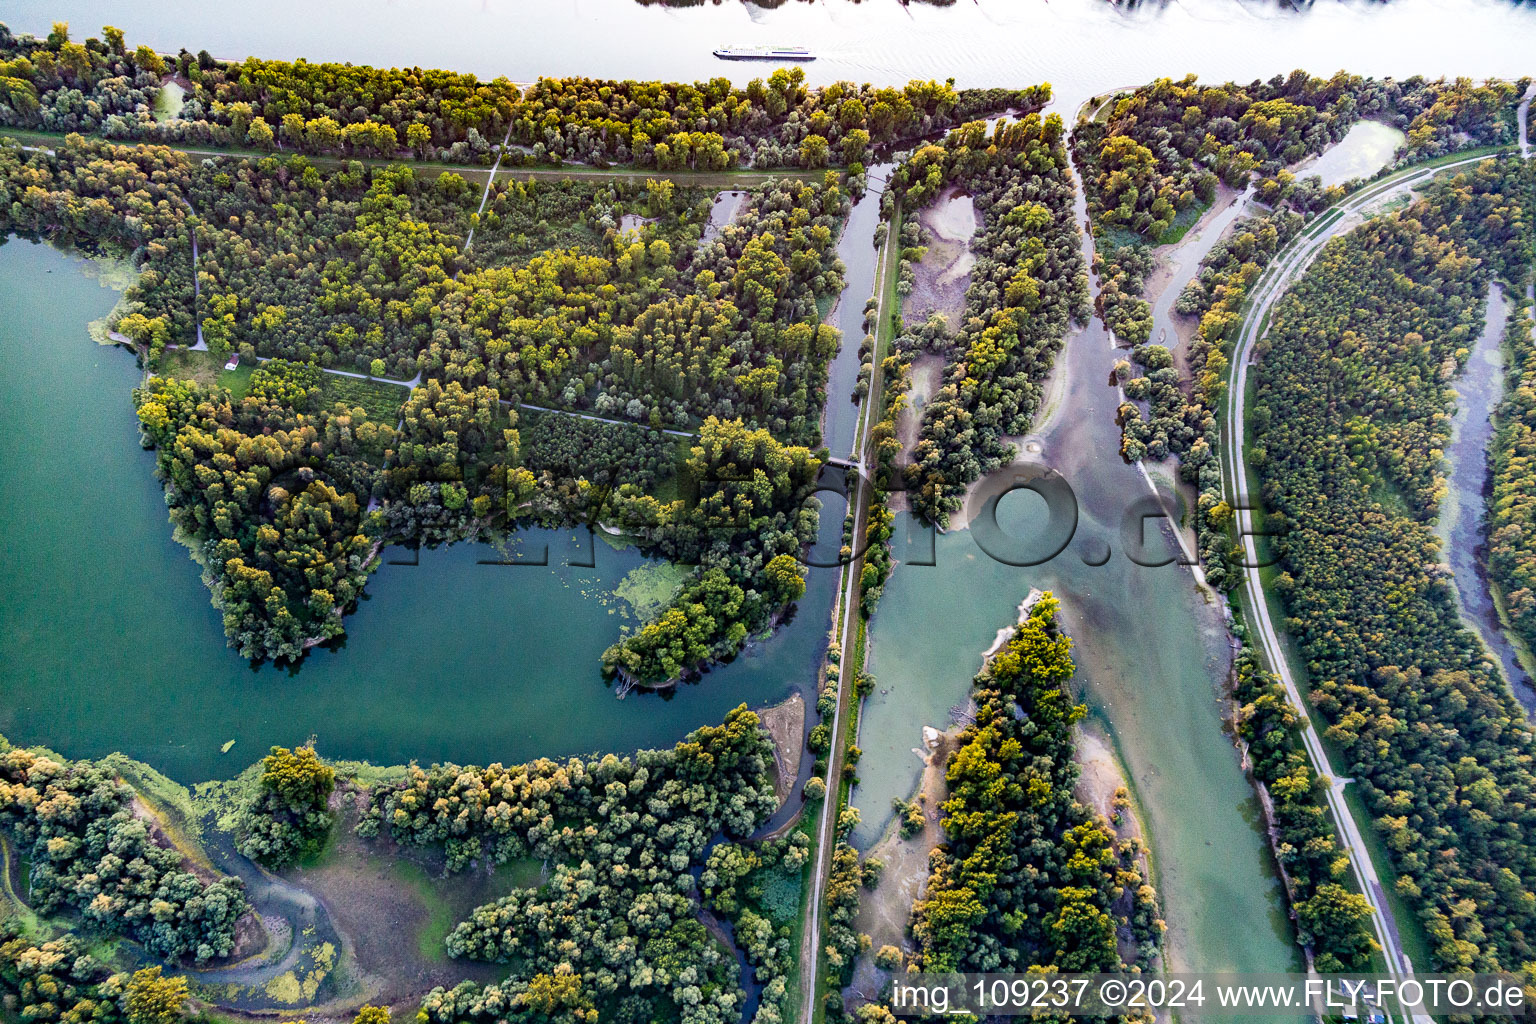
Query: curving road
[1286,268]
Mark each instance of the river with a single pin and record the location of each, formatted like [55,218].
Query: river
[107,639]
[1460,527]
[1081,46]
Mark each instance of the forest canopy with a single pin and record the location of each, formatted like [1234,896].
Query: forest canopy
[96,87]
[1351,417]
[286,495]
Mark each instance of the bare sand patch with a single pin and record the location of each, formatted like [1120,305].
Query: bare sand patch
[884,913]
[1102,787]
[925,375]
[952,217]
[1100,772]
[785,723]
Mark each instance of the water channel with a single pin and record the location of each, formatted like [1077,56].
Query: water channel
[856,249]
[1460,527]
[107,639]
[1152,656]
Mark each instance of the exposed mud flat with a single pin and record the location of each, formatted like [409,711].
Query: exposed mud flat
[885,912]
[785,723]
[944,273]
[1367,147]
[1179,264]
[394,907]
[725,209]
[926,374]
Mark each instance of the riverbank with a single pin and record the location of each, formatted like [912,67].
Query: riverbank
[785,723]
[1461,526]
[1152,657]
[885,912]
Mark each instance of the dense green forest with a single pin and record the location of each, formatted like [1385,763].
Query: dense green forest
[1511,514]
[271,495]
[286,495]
[614,934]
[59,981]
[90,855]
[1027,876]
[1334,922]
[100,87]
[288,816]
[1153,158]
[757,888]
[1181,416]
[1351,417]
[1027,285]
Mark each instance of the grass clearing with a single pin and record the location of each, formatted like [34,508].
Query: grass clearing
[1182,222]
[379,400]
[1414,939]
[206,368]
[169,100]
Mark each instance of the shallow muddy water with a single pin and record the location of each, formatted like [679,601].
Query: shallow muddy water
[1460,528]
[1152,656]
[108,641]
[1364,150]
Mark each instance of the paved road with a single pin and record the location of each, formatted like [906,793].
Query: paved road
[489,178]
[1273,284]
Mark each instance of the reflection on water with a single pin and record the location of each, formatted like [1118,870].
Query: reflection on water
[1081,46]
[1152,657]
[856,248]
[1368,147]
[472,664]
[108,641]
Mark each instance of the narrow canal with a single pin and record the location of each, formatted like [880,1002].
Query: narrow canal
[1460,528]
